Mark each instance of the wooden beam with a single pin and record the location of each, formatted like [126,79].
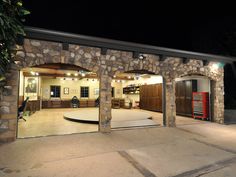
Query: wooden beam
[162,57]
[103,51]
[185,60]
[65,46]
[205,62]
[136,54]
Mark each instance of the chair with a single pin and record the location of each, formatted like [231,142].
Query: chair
[75,102]
[97,102]
[22,109]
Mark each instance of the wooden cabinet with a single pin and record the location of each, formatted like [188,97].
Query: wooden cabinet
[117,103]
[67,103]
[151,97]
[183,92]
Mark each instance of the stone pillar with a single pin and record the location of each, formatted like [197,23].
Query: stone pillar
[8,106]
[170,106]
[105,104]
[218,100]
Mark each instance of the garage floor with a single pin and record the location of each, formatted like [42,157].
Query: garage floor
[189,150]
[51,122]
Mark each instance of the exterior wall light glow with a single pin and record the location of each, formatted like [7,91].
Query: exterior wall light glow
[215,66]
[76,74]
[68,74]
[82,74]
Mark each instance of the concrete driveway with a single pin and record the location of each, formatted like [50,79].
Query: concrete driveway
[198,149]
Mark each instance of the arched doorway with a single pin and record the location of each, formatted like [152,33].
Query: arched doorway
[62,99]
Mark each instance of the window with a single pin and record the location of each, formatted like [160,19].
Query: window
[55,91]
[84,92]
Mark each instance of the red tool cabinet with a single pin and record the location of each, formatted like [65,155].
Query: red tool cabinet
[200,105]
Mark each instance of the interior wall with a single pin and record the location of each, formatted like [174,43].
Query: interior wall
[118,89]
[74,87]
[142,80]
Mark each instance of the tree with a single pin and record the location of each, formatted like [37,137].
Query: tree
[12,15]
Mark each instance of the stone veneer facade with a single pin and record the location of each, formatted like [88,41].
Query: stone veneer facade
[37,52]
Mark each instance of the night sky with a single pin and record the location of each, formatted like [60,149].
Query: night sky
[188,31]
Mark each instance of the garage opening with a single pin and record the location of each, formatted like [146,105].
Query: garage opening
[57,99]
[193,99]
[136,99]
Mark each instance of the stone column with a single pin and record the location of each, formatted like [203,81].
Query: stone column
[218,100]
[8,106]
[105,103]
[170,106]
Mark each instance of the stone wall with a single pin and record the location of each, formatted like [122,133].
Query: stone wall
[35,52]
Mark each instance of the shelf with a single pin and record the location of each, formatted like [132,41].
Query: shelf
[131,90]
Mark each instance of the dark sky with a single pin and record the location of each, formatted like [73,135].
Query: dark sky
[187,31]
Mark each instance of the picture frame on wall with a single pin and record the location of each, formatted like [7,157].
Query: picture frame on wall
[66,91]
[31,84]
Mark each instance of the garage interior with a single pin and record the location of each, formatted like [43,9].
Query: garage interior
[136,99]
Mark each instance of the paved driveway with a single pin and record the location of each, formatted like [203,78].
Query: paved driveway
[191,149]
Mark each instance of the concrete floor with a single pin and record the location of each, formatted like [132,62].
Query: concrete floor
[51,121]
[193,148]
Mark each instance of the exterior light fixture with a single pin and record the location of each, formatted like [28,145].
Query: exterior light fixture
[68,74]
[118,80]
[129,77]
[32,73]
[141,57]
[114,76]
[82,74]
[76,74]
[36,74]
[51,93]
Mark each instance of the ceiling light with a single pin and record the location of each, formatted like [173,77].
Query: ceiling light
[68,74]
[114,76]
[76,74]
[118,80]
[129,77]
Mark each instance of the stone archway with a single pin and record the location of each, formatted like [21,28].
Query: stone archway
[36,52]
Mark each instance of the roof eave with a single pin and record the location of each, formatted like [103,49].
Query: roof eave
[56,36]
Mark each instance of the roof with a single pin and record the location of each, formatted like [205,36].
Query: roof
[70,38]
